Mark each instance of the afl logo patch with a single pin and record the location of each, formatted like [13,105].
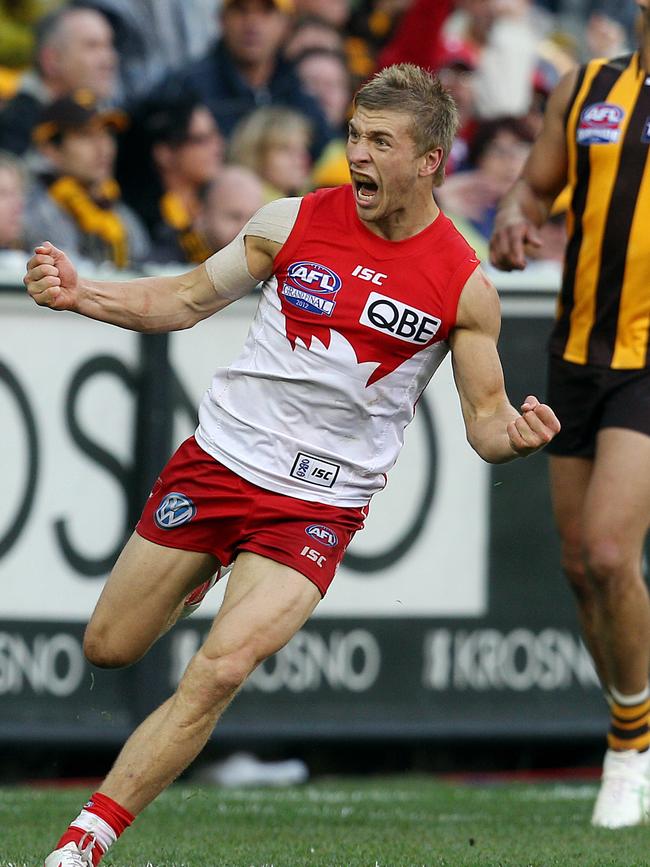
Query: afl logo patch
[174,511]
[323,535]
[600,123]
[312,287]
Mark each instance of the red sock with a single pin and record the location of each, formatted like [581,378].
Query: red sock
[104,819]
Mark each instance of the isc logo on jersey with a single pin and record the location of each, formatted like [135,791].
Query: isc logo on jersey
[400,320]
[322,534]
[600,123]
[312,287]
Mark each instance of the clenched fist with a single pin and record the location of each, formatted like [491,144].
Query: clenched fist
[51,279]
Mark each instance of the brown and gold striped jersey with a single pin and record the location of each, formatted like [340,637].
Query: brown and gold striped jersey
[604,306]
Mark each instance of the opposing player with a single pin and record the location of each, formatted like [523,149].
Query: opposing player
[597,136]
[365,287]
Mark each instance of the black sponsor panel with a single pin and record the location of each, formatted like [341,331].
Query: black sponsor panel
[48,692]
[406,678]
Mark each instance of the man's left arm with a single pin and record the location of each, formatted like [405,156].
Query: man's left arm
[495,430]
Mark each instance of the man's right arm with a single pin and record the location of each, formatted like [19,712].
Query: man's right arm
[170,303]
[527,204]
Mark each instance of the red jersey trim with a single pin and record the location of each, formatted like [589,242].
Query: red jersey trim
[455,287]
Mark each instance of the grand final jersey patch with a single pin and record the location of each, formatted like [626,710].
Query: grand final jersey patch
[311,287]
[600,123]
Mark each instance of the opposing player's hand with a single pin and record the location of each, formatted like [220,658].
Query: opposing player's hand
[509,242]
[51,279]
[534,428]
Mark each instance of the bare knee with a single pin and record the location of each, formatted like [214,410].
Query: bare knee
[211,681]
[106,651]
[573,565]
[607,562]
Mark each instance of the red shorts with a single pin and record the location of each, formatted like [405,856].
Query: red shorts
[197,504]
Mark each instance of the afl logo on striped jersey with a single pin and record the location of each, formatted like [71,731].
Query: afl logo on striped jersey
[600,123]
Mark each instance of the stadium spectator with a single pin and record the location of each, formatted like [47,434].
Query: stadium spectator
[496,156]
[417,37]
[230,202]
[325,75]
[171,153]
[373,24]
[245,69]
[74,50]
[12,203]
[274,143]
[334,12]
[456,63]
[78,202]
[506,35]
[308,33]
[154,37]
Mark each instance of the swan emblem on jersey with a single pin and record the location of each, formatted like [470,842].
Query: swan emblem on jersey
[308,287]
[175,510]
[311,287]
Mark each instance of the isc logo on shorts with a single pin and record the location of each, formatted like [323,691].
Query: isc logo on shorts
[175,509]
[399,320]
[316,471]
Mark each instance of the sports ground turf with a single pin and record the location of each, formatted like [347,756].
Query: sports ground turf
[377,822]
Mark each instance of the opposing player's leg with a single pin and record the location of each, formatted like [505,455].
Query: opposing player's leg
[265,604]
[142,597]
[569,477]
[616,520]
[615,525]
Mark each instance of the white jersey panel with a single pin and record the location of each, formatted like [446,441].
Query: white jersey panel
[303,422]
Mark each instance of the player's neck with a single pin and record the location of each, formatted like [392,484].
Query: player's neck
[405,222]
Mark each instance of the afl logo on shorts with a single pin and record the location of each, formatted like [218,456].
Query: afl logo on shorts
[174,511]
[312,287]
[600,123]
[323,535]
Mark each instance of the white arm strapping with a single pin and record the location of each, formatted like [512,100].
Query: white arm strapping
[228,269]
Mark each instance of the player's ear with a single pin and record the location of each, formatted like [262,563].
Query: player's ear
[430,162]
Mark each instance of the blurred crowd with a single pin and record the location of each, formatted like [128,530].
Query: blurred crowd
[139,131]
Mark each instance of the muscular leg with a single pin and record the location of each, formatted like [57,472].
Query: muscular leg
[141,599]
[264,606]
[569,483]
[616,519]
[603,512]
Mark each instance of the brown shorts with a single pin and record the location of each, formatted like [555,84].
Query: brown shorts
[587,399]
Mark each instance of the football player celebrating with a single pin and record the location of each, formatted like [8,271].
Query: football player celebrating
[365,289]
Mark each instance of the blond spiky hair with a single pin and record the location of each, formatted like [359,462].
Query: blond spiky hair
[412,90]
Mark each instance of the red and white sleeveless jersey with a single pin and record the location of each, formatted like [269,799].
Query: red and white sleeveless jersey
[348,332]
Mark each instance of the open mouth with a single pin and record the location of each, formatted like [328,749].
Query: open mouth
[365,190]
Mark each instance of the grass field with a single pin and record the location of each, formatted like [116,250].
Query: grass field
[387,822]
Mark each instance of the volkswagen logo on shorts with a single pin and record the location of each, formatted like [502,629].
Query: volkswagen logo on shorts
[176,509]
[323,535]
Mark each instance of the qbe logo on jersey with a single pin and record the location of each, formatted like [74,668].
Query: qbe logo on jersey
[600,123]
[399,320]
[312,287]
[174,511]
